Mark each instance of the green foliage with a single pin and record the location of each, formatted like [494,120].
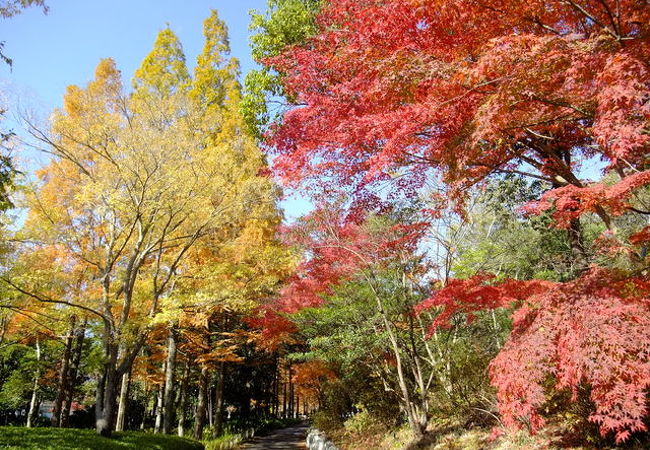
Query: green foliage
[54,439]
[286,23]
[17,367]
[500,240]
[359,422]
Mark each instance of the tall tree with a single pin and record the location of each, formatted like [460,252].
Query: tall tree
[138,186]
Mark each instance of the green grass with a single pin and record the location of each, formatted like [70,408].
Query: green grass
[70,438]
[226,441]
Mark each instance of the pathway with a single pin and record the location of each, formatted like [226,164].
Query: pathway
[286,439]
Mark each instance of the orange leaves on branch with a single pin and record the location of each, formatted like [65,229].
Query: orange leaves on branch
[275,330]
[310,377]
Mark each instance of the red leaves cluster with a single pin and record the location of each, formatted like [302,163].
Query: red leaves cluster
[275,329]
[640,237]
[338,247]
[466,88]
[593,331]
[474,294]
[570,202]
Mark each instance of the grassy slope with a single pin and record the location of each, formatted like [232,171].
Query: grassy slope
[52,438]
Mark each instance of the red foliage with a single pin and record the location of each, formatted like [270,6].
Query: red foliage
[468,89]
[473,294]
[570,202]
[275,329]
[640,237]
[593,331]
[337,246]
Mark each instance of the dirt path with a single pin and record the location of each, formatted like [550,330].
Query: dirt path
[287,438]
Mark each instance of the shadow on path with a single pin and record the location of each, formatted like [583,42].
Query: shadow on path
[287,438]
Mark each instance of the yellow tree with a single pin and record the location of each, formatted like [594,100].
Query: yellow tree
[142,185]
[213,287]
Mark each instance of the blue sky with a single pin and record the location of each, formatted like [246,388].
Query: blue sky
[63,47]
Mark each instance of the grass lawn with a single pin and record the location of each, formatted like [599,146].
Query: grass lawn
[70,438]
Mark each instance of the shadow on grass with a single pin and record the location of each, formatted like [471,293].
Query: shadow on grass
[53,438]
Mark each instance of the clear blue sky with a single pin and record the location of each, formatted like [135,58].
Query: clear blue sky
[63,47]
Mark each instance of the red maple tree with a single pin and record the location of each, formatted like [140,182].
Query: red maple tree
[592,331]
[396,92]
[469,89]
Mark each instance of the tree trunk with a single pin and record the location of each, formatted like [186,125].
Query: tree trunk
[291,405]
[106,404]
[160,402]
[202,404]
[182,403]
[146,407]
[578,252]
[277,388]
[284,400]
[168,400]
[218,402]
[64,374]
[33,404]
[121,409]
[107,389]
[74,373]
[210,407]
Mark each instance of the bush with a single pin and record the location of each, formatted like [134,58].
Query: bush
[360,422]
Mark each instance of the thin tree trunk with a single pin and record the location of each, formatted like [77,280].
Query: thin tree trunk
[160,403]
[121,409]
[210,407]
[290,391]
[34,401]
[74,373]
[201,405]
[284,400]
[417,421]
[146,407]
[182,403]
[64,374]
[218,403]
[168,400]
